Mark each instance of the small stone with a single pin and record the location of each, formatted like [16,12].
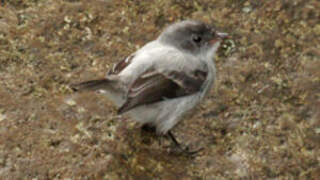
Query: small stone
[67,19]
[70,102]
[2,117]
[247,9]
[316,29]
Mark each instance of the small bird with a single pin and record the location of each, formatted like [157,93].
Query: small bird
[164,80]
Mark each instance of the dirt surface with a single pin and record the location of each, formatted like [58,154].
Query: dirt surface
[261,121]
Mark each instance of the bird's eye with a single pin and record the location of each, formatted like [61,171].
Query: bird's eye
[196,38]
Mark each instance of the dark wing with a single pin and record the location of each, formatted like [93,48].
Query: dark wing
[152,87]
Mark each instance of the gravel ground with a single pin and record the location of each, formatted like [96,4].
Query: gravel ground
[261,121]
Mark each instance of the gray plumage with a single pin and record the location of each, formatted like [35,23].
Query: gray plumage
[166,78]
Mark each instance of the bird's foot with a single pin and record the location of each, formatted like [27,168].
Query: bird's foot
[178,149]
[185,151]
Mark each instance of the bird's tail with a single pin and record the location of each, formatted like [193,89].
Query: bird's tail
[92,85]
[110,87]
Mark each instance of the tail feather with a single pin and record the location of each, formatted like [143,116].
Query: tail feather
[92,85]
[111,88]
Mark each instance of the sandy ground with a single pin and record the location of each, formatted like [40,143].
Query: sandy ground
[261,121]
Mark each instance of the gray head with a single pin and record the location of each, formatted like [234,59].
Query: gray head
[192,36]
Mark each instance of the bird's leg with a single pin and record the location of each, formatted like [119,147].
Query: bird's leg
[174,139]
[148,128]
[152,129]
[184,150]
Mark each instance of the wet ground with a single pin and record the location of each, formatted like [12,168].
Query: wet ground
[261,121]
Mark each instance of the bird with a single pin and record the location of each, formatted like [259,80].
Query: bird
[166,78]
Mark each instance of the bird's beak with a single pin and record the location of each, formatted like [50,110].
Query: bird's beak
[219,36]
[222,35]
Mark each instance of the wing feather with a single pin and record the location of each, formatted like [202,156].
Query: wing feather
[153,86]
